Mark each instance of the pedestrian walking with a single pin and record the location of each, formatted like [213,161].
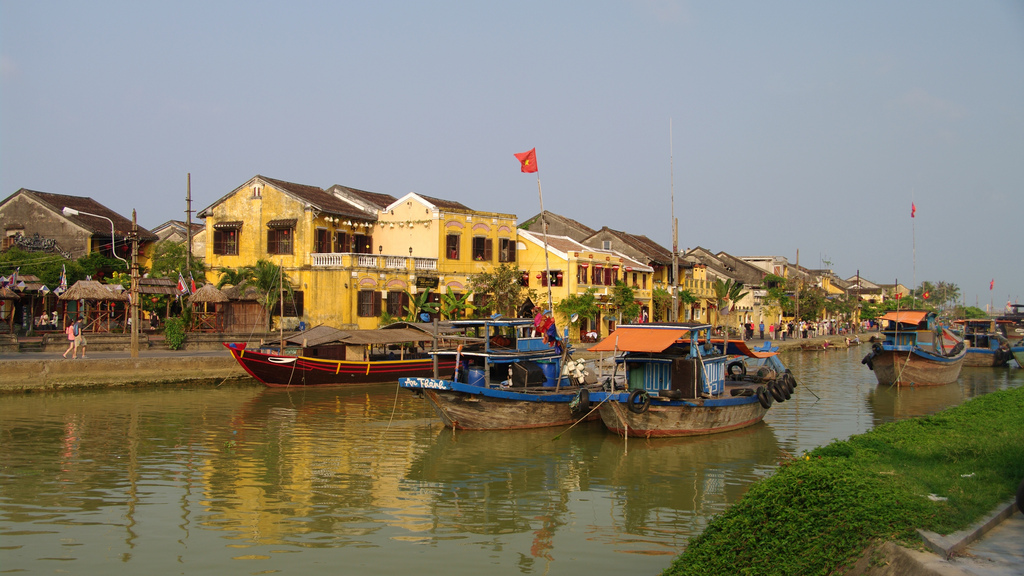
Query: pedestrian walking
[760,329]
[70,331]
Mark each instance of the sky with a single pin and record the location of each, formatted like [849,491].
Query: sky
[766,128]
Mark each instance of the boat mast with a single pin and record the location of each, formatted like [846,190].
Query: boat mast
[674,316]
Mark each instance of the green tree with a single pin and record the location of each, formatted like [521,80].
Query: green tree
[661,304]
[504,289]
[584,305]
[727,291]
[623,301]
[455,305]
[419,303]
[266,277]
[171,258]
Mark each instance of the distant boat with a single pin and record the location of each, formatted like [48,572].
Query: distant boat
[326,356]
[1011,324]
[986,347]
[676,382]
[916,351]
[507,379]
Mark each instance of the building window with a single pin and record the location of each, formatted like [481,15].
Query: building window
[362,244]
[279,240]
[581,275]
[293,305]
[341,242]
[597,276]
[451,246]
[635,283]
[506,250]
[369,303]
[554,278]
[397,303]
[322,242]
[606,244]
[482,249]
[225,240]
[643,281]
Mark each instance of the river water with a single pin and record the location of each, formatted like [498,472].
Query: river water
[364,480]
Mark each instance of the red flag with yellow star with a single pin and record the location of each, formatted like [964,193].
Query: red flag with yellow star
[528,160]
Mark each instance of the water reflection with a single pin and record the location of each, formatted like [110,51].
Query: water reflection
[247,479]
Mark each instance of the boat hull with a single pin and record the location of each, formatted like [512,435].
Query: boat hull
[468,407]
[693,418]
[895,367]
[284,371]
[987,358]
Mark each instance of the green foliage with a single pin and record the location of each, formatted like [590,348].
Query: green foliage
[585,305]
[503,287]
[661,304]
[819,512]
[419,303]
[454,305]
[99,266]
[970,312]
[174,333]
[266,277]
[170,258]
[623,301]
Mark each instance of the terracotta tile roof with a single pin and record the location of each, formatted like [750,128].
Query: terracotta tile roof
[376,199]
[316,197]
[122,225]
[445,204]
[654,251]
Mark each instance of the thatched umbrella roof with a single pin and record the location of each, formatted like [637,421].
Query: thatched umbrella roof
[208,293]
[243,293]
[8,294]
[93,290]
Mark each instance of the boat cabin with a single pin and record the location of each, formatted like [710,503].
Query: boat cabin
[909,327]
[672,360]
[981,333]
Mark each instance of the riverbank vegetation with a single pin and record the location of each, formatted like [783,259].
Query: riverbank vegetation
[820,511]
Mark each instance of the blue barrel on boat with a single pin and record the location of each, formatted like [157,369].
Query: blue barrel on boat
[475,377]
[550,370]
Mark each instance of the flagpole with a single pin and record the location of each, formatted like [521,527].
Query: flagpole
[544,227]
[674,317]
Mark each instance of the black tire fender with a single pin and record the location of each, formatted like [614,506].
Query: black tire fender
[581,402]
[773,388]
[784,388]
[639,401]
[763,397]
[740,369]
[790,379]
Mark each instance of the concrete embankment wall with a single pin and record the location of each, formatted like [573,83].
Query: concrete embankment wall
[42,375]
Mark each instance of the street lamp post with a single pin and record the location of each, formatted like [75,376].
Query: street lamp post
[133,289]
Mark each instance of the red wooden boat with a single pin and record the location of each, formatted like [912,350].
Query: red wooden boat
[325,356]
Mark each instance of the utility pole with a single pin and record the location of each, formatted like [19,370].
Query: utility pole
[188,222]
[133,291]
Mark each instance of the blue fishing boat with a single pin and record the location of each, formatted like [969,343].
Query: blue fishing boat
[916,351]
[986,347]
[508,376]
[676,382]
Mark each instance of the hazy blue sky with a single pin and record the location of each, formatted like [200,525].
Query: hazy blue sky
[796,125]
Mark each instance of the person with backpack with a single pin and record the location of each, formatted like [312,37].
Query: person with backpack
[79,338]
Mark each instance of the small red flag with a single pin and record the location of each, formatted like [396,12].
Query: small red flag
[528,160]
[912,209]
[925,295]
[992,284]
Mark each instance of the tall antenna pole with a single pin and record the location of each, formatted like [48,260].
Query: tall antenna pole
[188,223]
[674,317]
[913,233]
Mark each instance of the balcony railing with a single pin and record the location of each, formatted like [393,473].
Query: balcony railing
[380,262]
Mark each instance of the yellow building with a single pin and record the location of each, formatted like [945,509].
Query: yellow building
[351,256]
[573,268]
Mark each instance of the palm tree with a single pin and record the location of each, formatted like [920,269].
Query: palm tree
[266,277]
[726,291]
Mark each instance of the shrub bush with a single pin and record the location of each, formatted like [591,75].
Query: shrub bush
[174,332]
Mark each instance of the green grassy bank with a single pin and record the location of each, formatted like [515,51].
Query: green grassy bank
[820,511]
